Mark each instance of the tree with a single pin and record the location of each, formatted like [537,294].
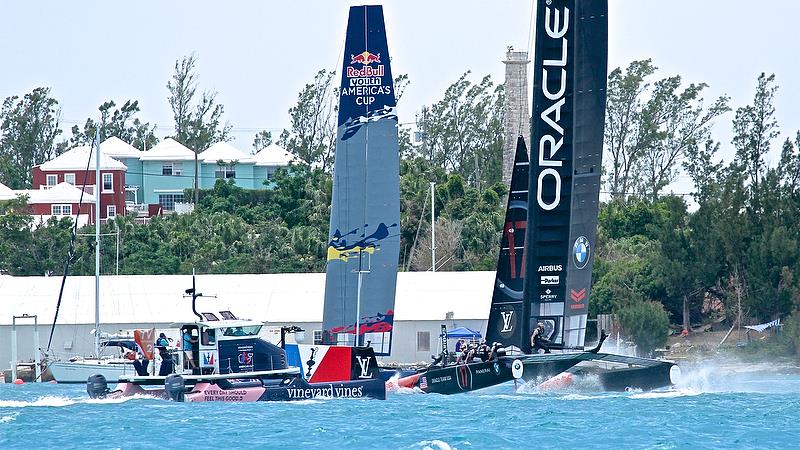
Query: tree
[754,128]
[201,128]
[646,323]
[463,132]
[28,129]
[197,129]
[650,131]
[120,123]
[312,137]
[263,139]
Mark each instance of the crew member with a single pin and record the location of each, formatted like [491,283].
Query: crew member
[167,365]
[538,341]
[188,346]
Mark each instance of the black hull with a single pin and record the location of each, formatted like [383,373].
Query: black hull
[461,378]
[621,373]
[644,378]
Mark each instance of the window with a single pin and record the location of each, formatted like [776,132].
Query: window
[208,336]
[69,178]
[167,201]
[251,330]
[317,337]
[225,171]
[111,211]
[61,210]
[423,341]
[172,168]
[108,182]
[271,172]
[52,180]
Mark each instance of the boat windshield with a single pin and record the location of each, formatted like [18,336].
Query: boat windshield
[251,330]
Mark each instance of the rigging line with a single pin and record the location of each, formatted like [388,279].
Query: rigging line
[531,26]
[416,236]
[71,251]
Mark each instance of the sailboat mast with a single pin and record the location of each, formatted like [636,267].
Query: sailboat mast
[433,229]
[97,188]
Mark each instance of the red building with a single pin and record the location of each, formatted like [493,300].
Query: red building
[71,167]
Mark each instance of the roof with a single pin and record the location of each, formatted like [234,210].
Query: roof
[225,152]
[273,155]
[463,332]
[168,150]
[60,193]
[6,193]
[283,298]
[76,159]
[117,148]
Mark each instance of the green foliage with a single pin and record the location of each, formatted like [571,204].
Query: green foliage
[312,137]
[121,123]
[463,132]
[28,129]
[651,128]
[197,129]
[790,334]
[646,323]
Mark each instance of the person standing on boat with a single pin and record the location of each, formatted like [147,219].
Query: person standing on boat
[538,341]
[188,348]
[167,366]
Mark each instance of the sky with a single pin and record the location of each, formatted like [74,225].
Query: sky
[257,55]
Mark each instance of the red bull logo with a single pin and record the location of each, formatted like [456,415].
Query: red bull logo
[365,58]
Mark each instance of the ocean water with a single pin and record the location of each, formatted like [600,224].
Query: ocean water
[711,407]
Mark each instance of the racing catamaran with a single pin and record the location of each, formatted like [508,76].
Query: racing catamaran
[364,239]
[545,263]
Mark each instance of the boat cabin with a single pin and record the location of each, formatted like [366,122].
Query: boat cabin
[226,345]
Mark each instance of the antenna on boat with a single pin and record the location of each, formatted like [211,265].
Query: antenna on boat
[194,294]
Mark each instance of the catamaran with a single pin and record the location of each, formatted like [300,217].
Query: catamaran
[545,263]
[364,239]
[362,253]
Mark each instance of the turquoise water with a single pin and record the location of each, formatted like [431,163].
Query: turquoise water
[709,408]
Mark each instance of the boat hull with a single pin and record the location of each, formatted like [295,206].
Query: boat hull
[461,378]
[622,373]
[79,371]
[297,389]
[277,385]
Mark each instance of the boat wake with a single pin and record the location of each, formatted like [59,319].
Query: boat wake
[734,376]
[434,444]
[59,401]
[670,393]
[8,418]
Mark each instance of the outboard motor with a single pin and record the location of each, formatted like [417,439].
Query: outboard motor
[175,387]
[97,386]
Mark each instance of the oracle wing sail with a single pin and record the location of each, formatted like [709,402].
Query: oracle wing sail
[365,210]
[569,90]
[505,315]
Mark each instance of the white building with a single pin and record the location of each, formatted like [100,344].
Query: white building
[424,302]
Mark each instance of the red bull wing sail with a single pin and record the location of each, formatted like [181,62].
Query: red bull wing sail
[364,239]
[569,92]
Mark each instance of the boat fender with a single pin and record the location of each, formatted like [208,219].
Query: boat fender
[175,386]
[517,369]
[97,386]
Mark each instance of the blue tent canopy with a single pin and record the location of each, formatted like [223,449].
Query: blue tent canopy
[463,333]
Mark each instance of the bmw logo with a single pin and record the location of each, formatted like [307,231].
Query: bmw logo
[580,252]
